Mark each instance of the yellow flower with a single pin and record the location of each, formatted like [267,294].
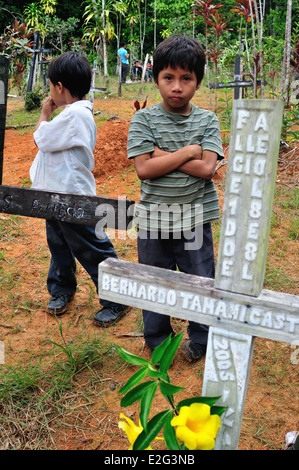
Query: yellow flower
[132,431]
[196,427]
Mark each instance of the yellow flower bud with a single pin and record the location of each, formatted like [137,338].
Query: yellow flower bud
[132,431]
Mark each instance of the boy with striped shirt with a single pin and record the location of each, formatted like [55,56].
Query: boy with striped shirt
[175,146]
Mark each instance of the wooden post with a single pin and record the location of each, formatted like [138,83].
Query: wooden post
[94,89]
[143,73]
[30,83]
[119,77]
[4,73]
[237,77]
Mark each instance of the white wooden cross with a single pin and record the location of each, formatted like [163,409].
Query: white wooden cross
[234,304]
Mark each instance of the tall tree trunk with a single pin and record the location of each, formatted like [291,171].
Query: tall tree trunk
[142,26]
[216,79]
[246,49]
[155,24]
[254,50]
[105,61]
[104,39]
[285,80]
[208,69]
[259,26]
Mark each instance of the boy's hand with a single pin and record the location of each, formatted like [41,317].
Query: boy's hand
[48,108]
[194,151]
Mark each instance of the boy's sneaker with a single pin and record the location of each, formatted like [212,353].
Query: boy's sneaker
[109,315]
[58,304]
[194,351]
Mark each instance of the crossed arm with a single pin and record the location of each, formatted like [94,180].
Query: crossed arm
[190,159]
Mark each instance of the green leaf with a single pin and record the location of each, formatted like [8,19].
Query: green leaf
[207,400]
[131,358]
[169,389]
[159,350]
[153,428]
[169,436]
[218,410]
[134,379]
[169,352]
[156,374]
[135,394]
[146,402]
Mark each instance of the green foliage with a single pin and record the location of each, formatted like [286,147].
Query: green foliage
[290,131]
[78,357]
[290,120]
[16,45]
[59,32]
[156,369]
[33,99]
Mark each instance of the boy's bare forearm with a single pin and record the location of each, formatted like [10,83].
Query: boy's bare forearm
[204,168]
[159,163]
[194,150]
[201,165]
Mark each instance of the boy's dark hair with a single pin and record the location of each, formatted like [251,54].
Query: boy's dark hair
[73,71]
[179,51]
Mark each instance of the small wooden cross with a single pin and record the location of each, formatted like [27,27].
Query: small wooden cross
[37,50]
[237,84]
[234,305]
[93,88]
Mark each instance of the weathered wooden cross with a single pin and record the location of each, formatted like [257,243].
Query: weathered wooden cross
[237,84]
[234,304]
[32,70]
[93,88]
[115,213]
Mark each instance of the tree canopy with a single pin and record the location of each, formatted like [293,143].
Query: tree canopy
[98,26]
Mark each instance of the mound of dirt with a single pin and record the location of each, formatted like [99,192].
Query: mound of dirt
[111,147]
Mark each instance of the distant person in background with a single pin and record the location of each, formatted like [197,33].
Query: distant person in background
[136,71]
[149,72]
[123,56]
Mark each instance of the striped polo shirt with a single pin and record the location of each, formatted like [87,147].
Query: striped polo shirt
[175,201]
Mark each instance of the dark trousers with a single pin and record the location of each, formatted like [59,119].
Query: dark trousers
[170,253]
[68,241]
[124,72]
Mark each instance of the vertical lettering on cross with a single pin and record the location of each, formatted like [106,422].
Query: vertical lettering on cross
[251,172]
[242,253]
